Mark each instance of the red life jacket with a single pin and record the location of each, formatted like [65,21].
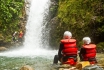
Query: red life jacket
[90,51]
[69,49]
[21,35]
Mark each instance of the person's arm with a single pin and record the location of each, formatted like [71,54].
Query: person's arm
[60,50]
[82,51]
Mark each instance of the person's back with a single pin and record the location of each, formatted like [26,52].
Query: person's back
[88,51]
[20,36]
[67,53]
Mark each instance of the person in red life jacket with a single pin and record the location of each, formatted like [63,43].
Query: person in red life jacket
[67,53]
[20,36]
[88,51]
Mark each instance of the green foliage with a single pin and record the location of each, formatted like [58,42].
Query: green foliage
[10,12]
[100,45]
[82,18]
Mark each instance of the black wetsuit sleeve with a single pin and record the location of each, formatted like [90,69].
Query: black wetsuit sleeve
[60,50]
[82,52]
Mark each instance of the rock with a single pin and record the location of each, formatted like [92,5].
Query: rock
[68,67]
[3,48]
[101,65]
[26,67]
[79,66]
[84,63]
[65,66]
[92,67]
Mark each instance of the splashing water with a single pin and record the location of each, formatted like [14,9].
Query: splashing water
[34,24]
[33,37]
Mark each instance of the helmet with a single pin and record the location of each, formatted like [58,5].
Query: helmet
[86,40]
[67,35]
[15,32]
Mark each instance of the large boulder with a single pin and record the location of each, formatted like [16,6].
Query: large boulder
[26,67]
[3,48]
[84,63]
[68,67]
[92,67]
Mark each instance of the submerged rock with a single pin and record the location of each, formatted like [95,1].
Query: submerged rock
[92,67]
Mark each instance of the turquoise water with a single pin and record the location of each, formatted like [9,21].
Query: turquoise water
[37,62]
[15,63]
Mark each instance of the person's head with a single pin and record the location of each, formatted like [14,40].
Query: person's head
[86,40]
[67,35]
[15,32]
[21,31]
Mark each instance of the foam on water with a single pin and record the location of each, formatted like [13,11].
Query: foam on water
[29,52]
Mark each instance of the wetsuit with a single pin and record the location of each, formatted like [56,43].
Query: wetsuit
[88,53]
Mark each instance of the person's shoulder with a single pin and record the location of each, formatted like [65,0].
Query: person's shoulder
[72,40]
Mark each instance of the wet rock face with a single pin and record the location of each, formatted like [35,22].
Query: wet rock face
[92,67]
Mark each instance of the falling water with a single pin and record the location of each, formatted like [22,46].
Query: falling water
[34,24]
[33,45]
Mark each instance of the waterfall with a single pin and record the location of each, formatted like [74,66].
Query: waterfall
[33,43]
[35,25]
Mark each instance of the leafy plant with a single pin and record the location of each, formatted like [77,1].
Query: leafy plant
[10,13]
[82,18]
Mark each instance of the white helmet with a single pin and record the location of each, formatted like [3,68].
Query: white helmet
[86,40]
[15,32]
[67,35]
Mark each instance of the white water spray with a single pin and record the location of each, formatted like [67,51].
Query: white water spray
[33,44]
[34,24]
